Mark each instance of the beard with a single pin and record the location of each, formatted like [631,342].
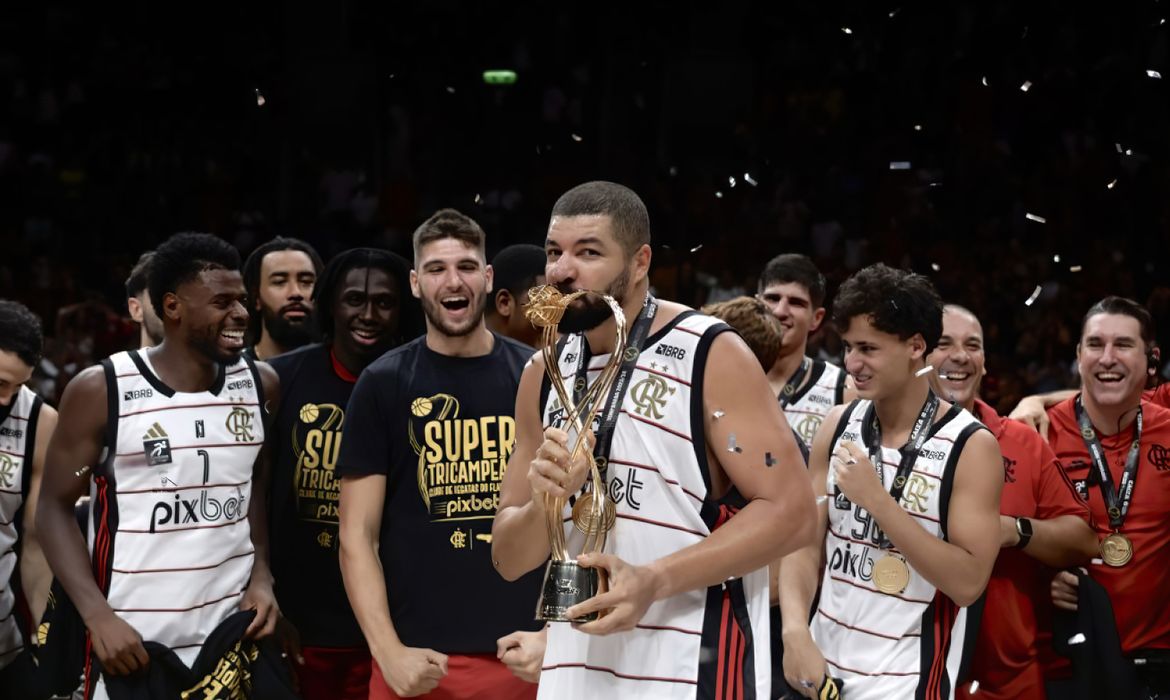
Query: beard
[289,335]
[590,311]
[153,327]
[435,316]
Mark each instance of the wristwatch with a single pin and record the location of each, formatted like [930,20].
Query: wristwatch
[1024,530]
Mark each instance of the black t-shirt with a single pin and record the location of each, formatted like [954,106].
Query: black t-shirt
[305,441]
[441,429]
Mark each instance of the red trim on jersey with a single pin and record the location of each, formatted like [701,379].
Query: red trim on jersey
[672,526]
[657,425]
[174,610]
[820,611]
[623,676]
[668,480]
[870,674]
[339,369]
[946,612]
[179,408]
[183,568]
[663,374]
[669,629]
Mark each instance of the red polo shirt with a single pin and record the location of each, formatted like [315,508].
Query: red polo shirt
[1140,590]
[1006,661]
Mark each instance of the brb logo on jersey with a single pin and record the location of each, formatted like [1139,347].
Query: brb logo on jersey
[199,510]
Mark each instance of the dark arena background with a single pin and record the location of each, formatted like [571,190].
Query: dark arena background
[1015,152]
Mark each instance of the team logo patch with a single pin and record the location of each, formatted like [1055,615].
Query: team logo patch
[240,424]
[1159,456]
[199,430]
[1082,489]
[7,471]
[650,396]
[157,446]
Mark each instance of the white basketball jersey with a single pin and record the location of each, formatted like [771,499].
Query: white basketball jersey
[169,532]
[906,645]
[17,438]
[810,404]
[688,645]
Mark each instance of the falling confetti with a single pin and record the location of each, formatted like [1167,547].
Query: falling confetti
[895,11]
[899,165]
[1056,258]
[697,248]
[731,181]
[924,371]
[82,471]
[478,199]
[1112,184]
[935,267]
[974,687]
[259,98]
[1035,217]
[1026,86]
[847,30]
[1074,268]
[731,444]
[918,127]
[718,414]
[1129,151]
[1035,295]
[1154,74]
[985,81]
[718,194]
[450,90]
[576,138]
[747,177]
[1078,638]
[673,171]
[1118,147]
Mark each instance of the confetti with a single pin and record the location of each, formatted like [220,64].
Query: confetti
[899,165]
[731,444]
[924,371]
[1129,151]
[576,138]
[847,30]
[1035,217]
[1074,268]
[1035,295]
[935,267]
[82,471]
[731,181]
[259,98]
[697,248]
[1112,184]
[974,687]
[673,171]
[1078,638]
[450,90]
[918,127]
[768,461]
[1026,86]
[1118,147]
[478,199]
[1056,258]
[985,81]
[895,11]
[718,194]
[718,414]
[1154,74]
[747,177]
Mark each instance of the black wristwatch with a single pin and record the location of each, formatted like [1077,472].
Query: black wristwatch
[1024,530]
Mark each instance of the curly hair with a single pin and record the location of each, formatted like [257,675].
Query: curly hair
[750,318]
[410,323]
[20,332]
[181,258]
[895,301]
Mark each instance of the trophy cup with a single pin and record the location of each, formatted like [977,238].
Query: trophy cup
[565,582]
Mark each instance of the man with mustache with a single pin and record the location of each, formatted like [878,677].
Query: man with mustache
[363,309]
[279,276]
[172,438]
[429,432]
[1042,524]
[695,431]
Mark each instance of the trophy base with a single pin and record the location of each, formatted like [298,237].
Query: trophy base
[565,585]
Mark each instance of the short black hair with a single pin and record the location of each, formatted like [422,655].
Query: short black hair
[895,301]
[182,257]
[449,223]
[252,274]
[20,332]
[515,269]
[631,221]
[139,274]
[1124,307]
[410,323]
[795,268]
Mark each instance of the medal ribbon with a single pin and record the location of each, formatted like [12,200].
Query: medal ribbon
[1116,502]
[793,382]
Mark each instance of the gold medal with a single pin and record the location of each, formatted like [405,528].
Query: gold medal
[891,574]
[587,521]
[1116,550]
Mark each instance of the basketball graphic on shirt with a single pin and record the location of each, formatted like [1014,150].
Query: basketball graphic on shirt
[420,406]
[309,413]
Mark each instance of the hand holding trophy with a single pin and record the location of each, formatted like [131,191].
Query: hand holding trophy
[565,582]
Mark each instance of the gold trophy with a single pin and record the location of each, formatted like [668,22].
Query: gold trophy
[565,582]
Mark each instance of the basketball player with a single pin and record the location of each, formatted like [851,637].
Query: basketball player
[172,436]
[359,304]
[910,546]
[279,276]
[150,329]
[1112,443]
[697,425]
[428,435]
[517,269]
[1041,522]
[794,290]
[25,426]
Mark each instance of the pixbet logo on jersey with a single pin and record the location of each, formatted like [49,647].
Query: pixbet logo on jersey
[202,509]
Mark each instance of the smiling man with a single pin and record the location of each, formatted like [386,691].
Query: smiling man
[279,276]
[429,432]
[172,437]
[363,309]
[1042,524]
